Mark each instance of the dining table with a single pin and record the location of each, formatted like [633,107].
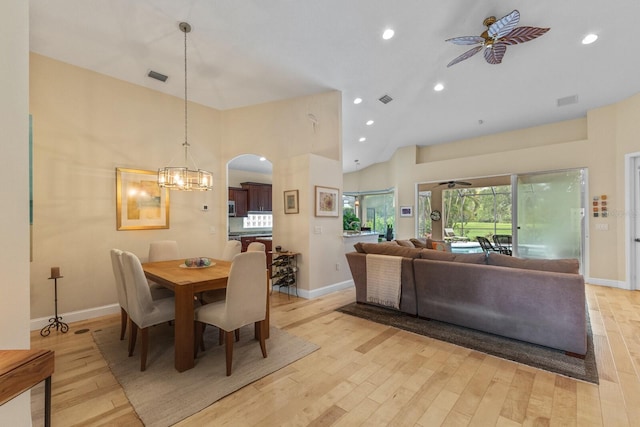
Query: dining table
[187,283]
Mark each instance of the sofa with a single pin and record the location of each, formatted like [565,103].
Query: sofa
[537,301]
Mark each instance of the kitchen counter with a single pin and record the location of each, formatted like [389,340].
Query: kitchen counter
[350,238]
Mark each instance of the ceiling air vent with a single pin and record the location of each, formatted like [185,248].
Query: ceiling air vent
[157,76]
[385,99]
[567,100]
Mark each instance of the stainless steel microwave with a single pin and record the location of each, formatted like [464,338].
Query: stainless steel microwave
[232,208]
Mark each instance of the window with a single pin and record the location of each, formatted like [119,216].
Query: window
[376,210]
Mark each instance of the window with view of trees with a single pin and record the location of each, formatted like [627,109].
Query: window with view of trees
[471,212]
[376,211]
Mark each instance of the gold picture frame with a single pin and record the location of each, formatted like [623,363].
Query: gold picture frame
[291,202]
[327,201]
[140,203]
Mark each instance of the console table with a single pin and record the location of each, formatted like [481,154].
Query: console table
[22,369]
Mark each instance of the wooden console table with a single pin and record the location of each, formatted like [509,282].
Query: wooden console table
[22,369]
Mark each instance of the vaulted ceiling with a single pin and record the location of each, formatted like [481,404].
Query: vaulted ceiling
[244,52]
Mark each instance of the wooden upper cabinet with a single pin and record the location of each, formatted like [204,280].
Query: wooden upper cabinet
[259,196]
[240,196]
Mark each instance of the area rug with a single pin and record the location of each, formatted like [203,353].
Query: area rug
[518,351]
[161,396]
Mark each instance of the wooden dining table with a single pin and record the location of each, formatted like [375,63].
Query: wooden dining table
[186,283]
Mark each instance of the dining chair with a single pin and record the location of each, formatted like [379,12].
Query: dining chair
[486,245]
[503,243]
[143,310]
[256,246]
[162,250]
[245,303]
[116,265]
[231,249]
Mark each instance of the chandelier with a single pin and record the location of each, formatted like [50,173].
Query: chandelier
[182,177]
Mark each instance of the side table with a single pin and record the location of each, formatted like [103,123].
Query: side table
[22,369]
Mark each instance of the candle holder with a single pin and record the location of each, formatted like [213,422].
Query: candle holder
[56,321]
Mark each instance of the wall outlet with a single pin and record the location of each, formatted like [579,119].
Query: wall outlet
[317,229]
[602,226]
[205,208]
[212,229]
[337,266]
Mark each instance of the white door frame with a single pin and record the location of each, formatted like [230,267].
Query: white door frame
[630,191]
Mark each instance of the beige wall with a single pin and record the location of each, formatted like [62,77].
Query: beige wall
[87,124]
[14,193]
[597,142]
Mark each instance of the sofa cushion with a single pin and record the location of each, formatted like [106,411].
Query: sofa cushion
[449,256]
[553,265]
[387,249]
[419,243]
[405,243]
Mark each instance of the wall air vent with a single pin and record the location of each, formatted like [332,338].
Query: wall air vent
[385,99]
[157,76]
[567,100]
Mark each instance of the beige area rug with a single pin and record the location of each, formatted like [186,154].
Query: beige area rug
[162,396]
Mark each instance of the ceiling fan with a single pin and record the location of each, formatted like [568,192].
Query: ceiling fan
[451,184]
[499,34]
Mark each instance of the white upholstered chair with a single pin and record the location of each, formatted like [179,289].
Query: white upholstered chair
[231,249]
[162,250]
[245,303]
[256,246]
[116,264]
[143,310]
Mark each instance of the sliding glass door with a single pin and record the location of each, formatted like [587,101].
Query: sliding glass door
[550,208]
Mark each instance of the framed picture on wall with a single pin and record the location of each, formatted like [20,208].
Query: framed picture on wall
[406,210]
[291,202]
[327,201]
[140,203]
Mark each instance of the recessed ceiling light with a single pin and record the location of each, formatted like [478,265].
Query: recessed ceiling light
[262,159]
[589,38]
[388,33]
[362,139]
[438,87]
[357,101]
[369,122]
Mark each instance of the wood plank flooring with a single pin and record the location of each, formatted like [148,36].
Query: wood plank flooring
[370,374]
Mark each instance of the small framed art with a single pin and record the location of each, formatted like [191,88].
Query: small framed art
[326,201]
[406,210]
[291,202]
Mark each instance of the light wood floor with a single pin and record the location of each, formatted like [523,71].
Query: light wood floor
[369,374]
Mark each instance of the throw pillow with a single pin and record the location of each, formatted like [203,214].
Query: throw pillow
[405,243]
[419,243]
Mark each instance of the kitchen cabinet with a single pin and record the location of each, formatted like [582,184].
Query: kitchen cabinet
[240,196]
[259,196]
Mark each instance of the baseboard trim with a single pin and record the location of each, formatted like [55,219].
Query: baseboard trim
[316,293]
[76,316]
[606,282]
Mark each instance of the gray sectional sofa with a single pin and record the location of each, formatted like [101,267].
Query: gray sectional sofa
[538,301]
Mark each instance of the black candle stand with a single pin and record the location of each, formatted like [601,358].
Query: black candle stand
[56,321]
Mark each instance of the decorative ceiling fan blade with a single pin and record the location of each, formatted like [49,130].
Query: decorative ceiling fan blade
[504,25]
[451,184]
[494,54]
[466,40]
[468,54]
[523,34]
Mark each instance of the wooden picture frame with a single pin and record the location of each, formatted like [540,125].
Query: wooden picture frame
[140,203]
[326,201]
[406,211]
[291,205]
